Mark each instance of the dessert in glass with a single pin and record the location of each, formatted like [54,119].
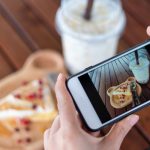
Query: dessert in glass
[141,70]
[88,42]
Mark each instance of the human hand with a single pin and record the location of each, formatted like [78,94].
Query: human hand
[67,133]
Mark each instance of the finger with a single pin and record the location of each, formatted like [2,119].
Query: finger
[67,111]
[55,126]
[148,30]
[80,122]
[95,134]
[120,130]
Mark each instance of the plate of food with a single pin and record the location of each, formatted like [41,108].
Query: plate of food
[26,113]
[124,94]
[28,103]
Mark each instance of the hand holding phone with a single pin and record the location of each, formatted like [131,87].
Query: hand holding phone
[60,129]
[109,91]
[67,131]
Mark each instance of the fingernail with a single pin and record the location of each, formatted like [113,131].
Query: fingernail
[133,119]
[59,76]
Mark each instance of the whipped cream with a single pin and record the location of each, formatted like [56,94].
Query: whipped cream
[104,16]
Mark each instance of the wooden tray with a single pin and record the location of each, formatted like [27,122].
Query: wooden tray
[36,66]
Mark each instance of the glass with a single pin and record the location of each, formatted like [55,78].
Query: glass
[141,71]
[85,42]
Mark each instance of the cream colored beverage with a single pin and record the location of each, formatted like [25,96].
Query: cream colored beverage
[88,42]
[141,71]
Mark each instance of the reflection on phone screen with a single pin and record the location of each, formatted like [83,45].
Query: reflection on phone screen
[119,85]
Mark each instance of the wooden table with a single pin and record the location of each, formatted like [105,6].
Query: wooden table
[28,25]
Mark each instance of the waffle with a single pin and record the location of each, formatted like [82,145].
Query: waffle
[121,95]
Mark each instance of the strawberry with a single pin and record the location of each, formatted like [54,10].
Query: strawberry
[25,121]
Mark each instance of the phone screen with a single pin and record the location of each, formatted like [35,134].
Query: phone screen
[120,85]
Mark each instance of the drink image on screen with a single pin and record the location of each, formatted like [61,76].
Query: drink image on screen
[121,84]
[141,70]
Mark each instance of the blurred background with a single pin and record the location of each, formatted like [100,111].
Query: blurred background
[27,26]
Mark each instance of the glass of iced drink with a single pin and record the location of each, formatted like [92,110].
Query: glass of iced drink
[141,70]
[88,42]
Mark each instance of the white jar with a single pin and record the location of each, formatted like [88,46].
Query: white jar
[87,43]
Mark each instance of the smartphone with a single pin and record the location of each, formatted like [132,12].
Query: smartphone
[113,89]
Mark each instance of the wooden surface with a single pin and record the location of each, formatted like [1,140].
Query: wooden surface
[37,65]
[28,25]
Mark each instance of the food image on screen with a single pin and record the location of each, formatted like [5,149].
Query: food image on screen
[121,84]
[121,95]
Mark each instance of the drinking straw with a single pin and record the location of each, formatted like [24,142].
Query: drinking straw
[137,57]
[88,10]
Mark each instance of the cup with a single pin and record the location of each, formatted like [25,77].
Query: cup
[141,71]
[141,53]
[87,43]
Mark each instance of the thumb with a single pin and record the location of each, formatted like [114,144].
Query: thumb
[121,129]
[67,111]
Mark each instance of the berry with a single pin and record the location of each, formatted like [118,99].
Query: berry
[32,96]
[34,106]
[40,82]
[19,141]
[24,82]
[25,121]
[28,140]
[17,96]
[27,128]
[17,129]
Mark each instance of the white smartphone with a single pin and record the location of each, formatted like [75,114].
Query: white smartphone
[111,90]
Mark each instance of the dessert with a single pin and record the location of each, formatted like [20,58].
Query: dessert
[88,41]
[141,70]
[121,95]
[25,114]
